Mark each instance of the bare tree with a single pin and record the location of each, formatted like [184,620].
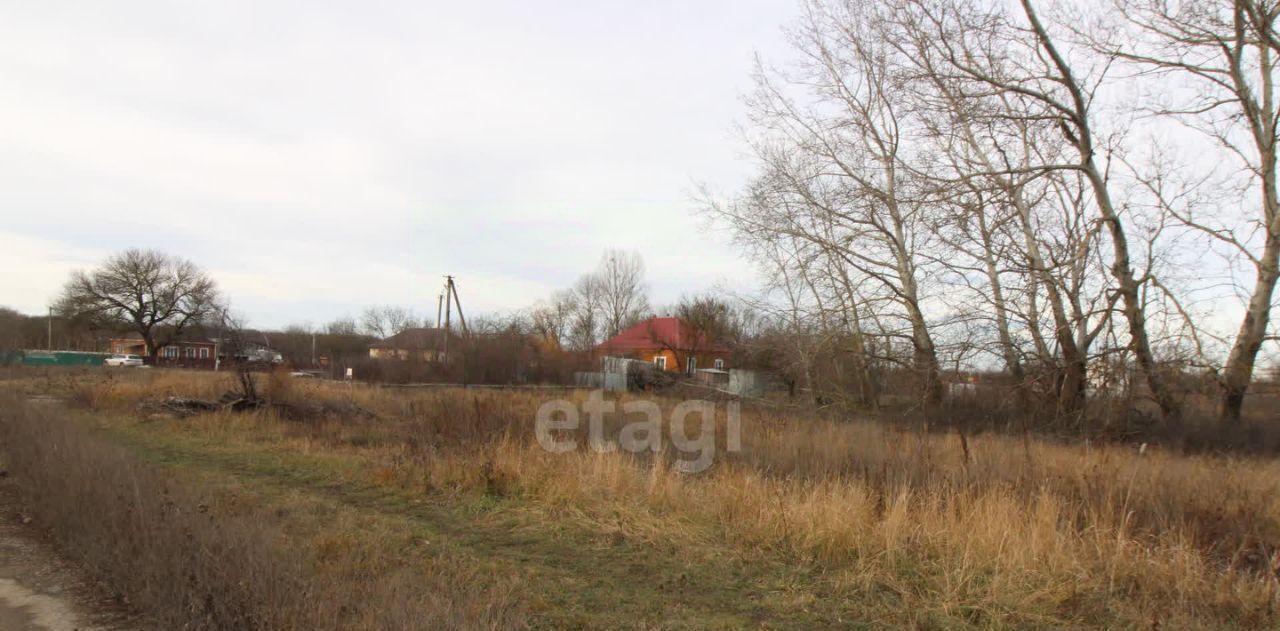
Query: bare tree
[11,329]
[234,345]
[345,325]
[834,138]
[1009,219]
[600,303]
[553,319]
[1229,50]
[156,295]
[621,290]
[584,323]
[1019,58]
[388,320]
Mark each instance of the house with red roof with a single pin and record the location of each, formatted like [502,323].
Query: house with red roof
[669,343]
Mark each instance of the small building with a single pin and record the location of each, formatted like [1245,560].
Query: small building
[422,344]
[670,344]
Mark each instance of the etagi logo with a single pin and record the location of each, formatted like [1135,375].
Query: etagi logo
[639,436]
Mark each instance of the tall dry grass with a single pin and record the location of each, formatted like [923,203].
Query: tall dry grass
[1007,531]
[210,554]
[909,528]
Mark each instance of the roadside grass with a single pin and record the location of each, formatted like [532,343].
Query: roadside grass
[813,524]
[577,568]
[200,550]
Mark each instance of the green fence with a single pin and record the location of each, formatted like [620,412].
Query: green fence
[52,358]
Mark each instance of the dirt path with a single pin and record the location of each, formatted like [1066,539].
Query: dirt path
[39,590]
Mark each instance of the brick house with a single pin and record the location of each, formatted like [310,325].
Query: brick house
[184,353]
[669,343]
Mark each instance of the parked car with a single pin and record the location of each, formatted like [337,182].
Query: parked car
[126,361]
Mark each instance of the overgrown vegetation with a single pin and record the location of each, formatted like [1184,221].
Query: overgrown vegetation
[439,508]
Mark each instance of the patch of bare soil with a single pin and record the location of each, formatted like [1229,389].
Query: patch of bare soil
[40,590]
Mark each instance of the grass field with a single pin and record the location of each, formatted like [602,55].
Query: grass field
[412,509]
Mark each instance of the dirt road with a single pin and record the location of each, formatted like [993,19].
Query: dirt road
[39,590]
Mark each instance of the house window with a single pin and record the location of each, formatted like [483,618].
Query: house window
[661,361]
[719,364]
[204,352]
[171,351]
[691,365]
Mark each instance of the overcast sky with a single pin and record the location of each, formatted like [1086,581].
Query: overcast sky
[319,157]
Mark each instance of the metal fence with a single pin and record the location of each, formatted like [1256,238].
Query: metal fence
[52,358]
[608,381]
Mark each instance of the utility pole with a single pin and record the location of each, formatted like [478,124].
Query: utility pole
[50,327]
[450,298]
[448,315]
[313,349]
[439,311]
[453,287]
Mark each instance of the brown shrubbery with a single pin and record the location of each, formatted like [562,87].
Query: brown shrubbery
[214,556]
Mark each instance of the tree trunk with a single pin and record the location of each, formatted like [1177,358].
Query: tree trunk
[926,364]
[1007,350]
[925,355]
[1071,391]
[1127,287]
[1238,372]
[1121,267]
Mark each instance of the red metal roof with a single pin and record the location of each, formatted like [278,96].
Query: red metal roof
[662,333]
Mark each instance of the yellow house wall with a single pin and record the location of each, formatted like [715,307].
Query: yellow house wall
[676,364]
[400,353]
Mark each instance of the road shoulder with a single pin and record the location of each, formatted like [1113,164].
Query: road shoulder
[40,589]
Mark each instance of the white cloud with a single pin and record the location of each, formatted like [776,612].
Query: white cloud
[35,270]
[320,158]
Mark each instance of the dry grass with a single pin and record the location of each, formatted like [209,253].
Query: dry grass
[887,527]
[217,555]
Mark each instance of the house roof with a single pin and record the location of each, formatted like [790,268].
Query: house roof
[666,333]
[183,339]
[417,339]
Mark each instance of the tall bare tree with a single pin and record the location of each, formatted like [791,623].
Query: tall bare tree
[1011,219]
[157,295]
[1019,58]
[834,140]
[388,320]
[600,303]
[1229,49]
[621,290]
[345,325]
[585,324]
[553,319]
